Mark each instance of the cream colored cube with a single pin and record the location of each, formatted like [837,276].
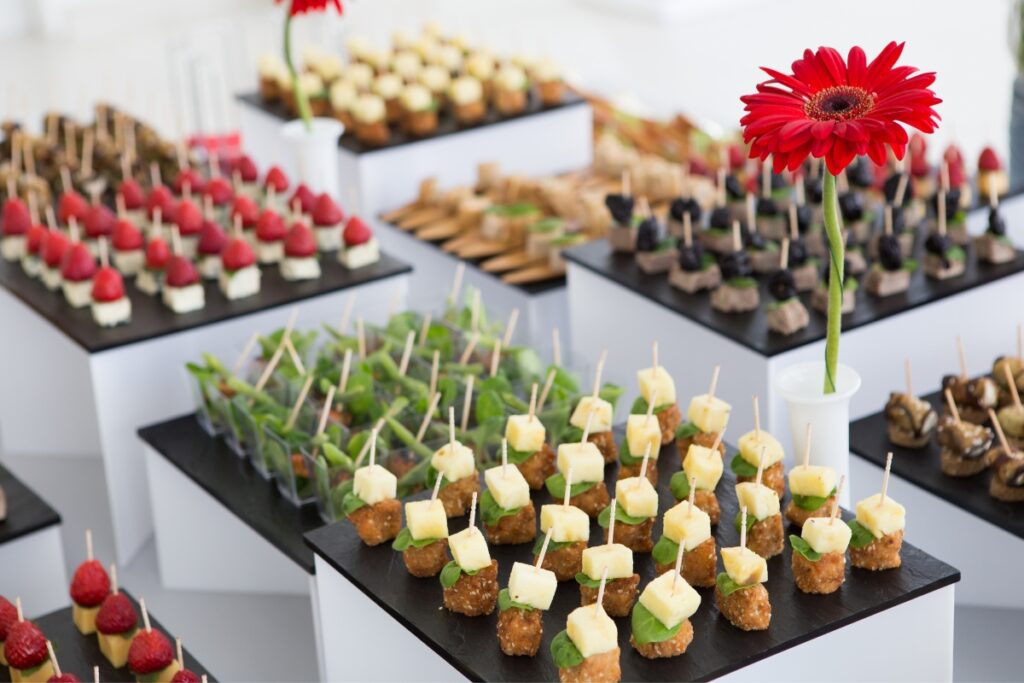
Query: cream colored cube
[637,497]
[602,410]
[585,459]
[685,525]
[703,466]
[531,585]
[508,487]
[374,483]
[761,502]
[642,432]
[657,383]
[617,558]
[812,480]
[710,414]
[426,519]
[826,534]
[469,549]
[591,630]
[744,566]
[671,600]
[751,444]
[568,523]
[881,518]
[524,434]
[454,463]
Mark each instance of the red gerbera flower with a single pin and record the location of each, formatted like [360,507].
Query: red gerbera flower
[837,110]
[297,7]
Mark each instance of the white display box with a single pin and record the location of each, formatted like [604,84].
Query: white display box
[32,568]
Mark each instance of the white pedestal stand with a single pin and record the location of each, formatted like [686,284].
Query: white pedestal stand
[32,568]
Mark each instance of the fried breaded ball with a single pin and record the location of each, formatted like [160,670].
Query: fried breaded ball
[378,522]
[520,631]
[708,502]
[605,442]
[881,553]
[457,496]
[619,595]
[636,537]
[538,467]
[700,565]
[428,560]
[676,645]
[797,515]
[766,537]
[599,668]
[512,529]
[593,500]
[565,562]
[747,609]
[824,576]
[705,439]
[474,594]
[626,471]
[668,420]
[773,477]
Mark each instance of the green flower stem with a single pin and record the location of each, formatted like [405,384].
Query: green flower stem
[837,257]
[301,99]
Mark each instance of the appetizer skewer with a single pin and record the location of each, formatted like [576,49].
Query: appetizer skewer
[661,617]
[89,586]
[372,506]
[25,651]
[759,449]
[597,412]
[424,540]
[505,507]
[1007,462]
[687,526]
[812,487]
[570,530]
[458,465]
[964,444]
[637,512]
[819,552]
[588,491]
[739,591]
[706,419]
[877,531]
[528,450]
[912,421]
[587,651]
[611,562]
[763,520]
[658,392]
[702,470]
[470,580]
[531,588]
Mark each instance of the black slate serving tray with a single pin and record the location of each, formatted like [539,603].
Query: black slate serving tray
[470,644]
[78,654]
[26,511]
[151,319]
[751,329]
[235,484]
[446,123]
[869,439]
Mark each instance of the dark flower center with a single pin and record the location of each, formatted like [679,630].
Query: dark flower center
[839,103]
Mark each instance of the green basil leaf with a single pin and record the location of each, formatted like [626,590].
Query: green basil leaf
[679,485]
[742,282]
[739,516]
[727,585]
[552,545]
[639,406]
[431,478]
[687,430]
[811,503]
[505,602]
[584,580]
[518,457]
[742,468]
[804,548]
[555,485]
[489,406]
[351,502]
[604,518]
[627,458]
[450,574]
[491,512]
[404,539]
[570,435]
[648,629]
[564,653]
[861,536]
[665,551]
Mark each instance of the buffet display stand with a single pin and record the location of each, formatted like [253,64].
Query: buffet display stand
[384,624]
[31,534]
[104,383]
[979,534]
[541,140]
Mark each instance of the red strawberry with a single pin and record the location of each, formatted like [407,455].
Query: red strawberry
[737,157]
[300,241]
[953,156]
[247,169]
[189,218]
[356,232]
[53,248]
[956,175]
[34,238]
[270,227]
[64,677]
[126,236]
[8,615]
[988,161]
[304,197]
[237,255]
[919,166]
[71,204]
[181,272]
[190,178]
[90,583]
[326,212]
[185,676]
[211,239]
[219,190]
[16,219]
[25,646]
[150,652]
[116,615]
[160,197]
[247,209]
[918,145]
[78,263]
[99,221]
[107,286]
[131,191]
[157,254]
[276,179]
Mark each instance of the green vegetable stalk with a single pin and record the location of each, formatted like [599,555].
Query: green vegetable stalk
[837,257]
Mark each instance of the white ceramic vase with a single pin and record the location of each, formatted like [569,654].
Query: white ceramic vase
[828,414]
[316,153]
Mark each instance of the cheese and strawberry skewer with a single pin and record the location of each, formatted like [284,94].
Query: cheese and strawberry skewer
[739,591]
[150,656]
[77,268]
[89,586]
[52,250]
[528,449]
[531,588]
[425,537]
[110,305]
[183,675]
[636,512]
[359,246]
[601,434]
[819,552]
[569,528]
[372,506]
[16,221]
[458,465]
[759,449]
[212,241]
[129,246]
[32,262]
[328,223]
[505,507]
[588,490]
[239,275]
[300,254]
[150,279]
[878,529]
[661,618]
[116,624]
[686,526]
[702,470]
[182,290]
[657,387]
[588,649]
[812,487]
[470,580]
[764,521]
[25,651]
[706,418]
[8,616]
[613,561]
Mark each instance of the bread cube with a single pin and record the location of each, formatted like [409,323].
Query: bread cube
[591,630]
[426,519]
[761,501]
[617,558]
[686,525]
[454,463]
[641,433]
[531,585]
[523,434]
[710,414]
[812,480]
[703,466]
[881,518]
[751,443]
[670,599]
[744,566]
[469,549]
[657,383]
[568,523]
[602,410]
[826,534]
[585,459]
[374,483]
[637,497]
[508,486]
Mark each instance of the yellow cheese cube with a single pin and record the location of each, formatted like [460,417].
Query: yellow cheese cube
[469,549]
[812,480]
[683,525]
[591,630]
[114,647]
[426,519]
[84,618]
[761,502]
[508,486]
[881,519]
[704,466]
[585,459]
[374,483]
[744,566]
[523,434]
[454,463]
[826,535]
[751,443]
[531,585]
[568,523]
[602,410]
[617,558]
[637,497]
[641,433]
[710,414]
[670,599]
[657,383]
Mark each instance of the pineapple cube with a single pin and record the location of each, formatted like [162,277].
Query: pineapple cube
[744,566]
[591,630]
[585,459]
[710,414]
[469,549]
[524,434]
[531,585]
[751,443]
[568,523]
[617,558]
[426,519]
[881,518]
[374,483]
[670,600]
[704,466]
[508,486]
[761,502]
[826,534]
[37,674]
[602,410]
[115,646]
[641,433]
[84,618]
[685,525]
[657,381]
[812,480]
[455,462]
[637,497]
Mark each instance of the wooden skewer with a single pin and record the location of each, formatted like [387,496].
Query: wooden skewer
[504,457]
[611,522]
[451,428]
[720,187]
[835,501]
[361,338]
[113,578]
[474,313]
[294,415]
[999,432]
[373,447]
[901,189]
[679,564]
[460,271]
[556,348]
[403,366]
[544,548]
[437,486]
[600,589]
[794,223]
[654,357]
[145,614]
[885,479]
[425,329]
[549,381]
[496,358]
[962,356]
[346,368]
[472,511]
[718,440]
[714,383]
[244,355]
[510,328]
[784,258]
[53,658]
[743,526]
[760,466]
[470,347]
[293,353]
[693,494]
[597,373]
[643,463]
[566,495]
[467,402]
[181,657]
[737,243]
[88,545]
[952,405]
[325,412]
[766,178]
[435,365]
[96,675]
[807,446]
[1013,386]
[687,229]
[586,427]
[751,214]
[421,432]
[887,224]
[942,212]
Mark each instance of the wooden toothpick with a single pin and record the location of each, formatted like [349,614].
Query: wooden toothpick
[887,220]
[650,407]
[510,328]
[586,427]
[504,457]
[600,589]
[472,511]
[760,466]
[835,501]
[495,358]
[470,347]
[145,614]
[181,657]
[250,344]
[714,384]
[952,405]
[533,402]
[962,356]
[743,527]
[544,548]
[88,545]
[611,522]
[999,432]
[403,366]
[421,432]
[294,415]
[941,206]
[425,329]
[549,381]
[687,229]
[451,428]
[346,368]
[460,271]
[437,486]
[737,243]
[885,478]
[566,495]
[643,463]
[598,371]
[361,338]
[679,564]
[53,658]
[435,365]
[113,579]
[794,223]
[1012,386]
[467,402]
[718,440]
[693,494]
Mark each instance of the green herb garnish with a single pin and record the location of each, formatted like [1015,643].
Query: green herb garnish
[665,551]
[505,602]
[490,512]
[648,629]
[727,585]
[751,521]
[687,430]
[804,548]
[555,484]
[604,518]
[564,653]
[404,540]
[679,485]
[351,502]
[860,536]
[584,580]
[451,573]
[742,468]
[811,503]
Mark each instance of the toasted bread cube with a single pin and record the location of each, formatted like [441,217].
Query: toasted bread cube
[469,549]
[426,519]
[689,526]
[710,414]
[525,434]
[637,496]
[761,501]
[881,518]
[454,463]
[641,433]
[591,630]
[602,410]
[532,586]
[617,558]
[670,599]
[657,383]
[812,480]
[585,459]
[751,444]
[704,466]
[826,534]
[374,483]
[744,566]
[568,523]
[508,486]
